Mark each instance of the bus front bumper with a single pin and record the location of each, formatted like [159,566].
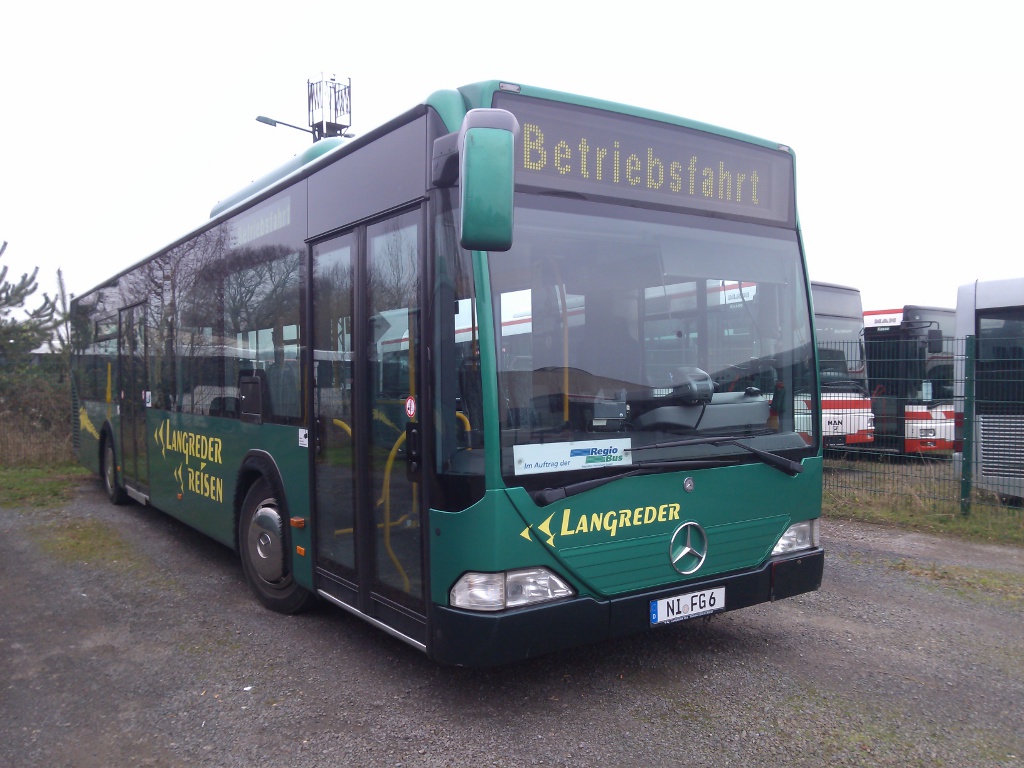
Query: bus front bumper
[473,639]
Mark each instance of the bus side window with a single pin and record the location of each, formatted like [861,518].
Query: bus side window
[283,379]
[224,406]
[253,393]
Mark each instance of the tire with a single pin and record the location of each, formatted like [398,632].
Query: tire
[108,471]
[263,547]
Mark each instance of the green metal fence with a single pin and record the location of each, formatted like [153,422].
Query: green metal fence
[948,429]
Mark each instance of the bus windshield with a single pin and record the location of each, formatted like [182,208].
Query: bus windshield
[620,328]
[841,354]
[999,384]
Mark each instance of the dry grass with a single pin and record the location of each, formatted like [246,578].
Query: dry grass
[24,442]
[919,495]
[35,416]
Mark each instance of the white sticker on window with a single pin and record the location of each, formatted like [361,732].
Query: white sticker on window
[565,457]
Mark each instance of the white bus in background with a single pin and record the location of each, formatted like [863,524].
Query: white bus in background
[910,354]
[993,312]
[846,417]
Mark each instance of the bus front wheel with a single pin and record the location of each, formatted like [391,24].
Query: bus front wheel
[109,473]
[262,544]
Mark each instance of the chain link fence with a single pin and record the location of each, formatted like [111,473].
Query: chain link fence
[947,436]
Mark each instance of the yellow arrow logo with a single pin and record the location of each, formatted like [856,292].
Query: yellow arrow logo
[545,528]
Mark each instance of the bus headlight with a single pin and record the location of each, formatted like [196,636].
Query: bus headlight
[510,589]
[533,585]
[798,536]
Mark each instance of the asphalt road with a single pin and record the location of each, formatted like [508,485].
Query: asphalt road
[128,639]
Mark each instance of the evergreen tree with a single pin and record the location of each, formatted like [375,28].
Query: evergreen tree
[22,330]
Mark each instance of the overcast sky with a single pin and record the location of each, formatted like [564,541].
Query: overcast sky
[122,124]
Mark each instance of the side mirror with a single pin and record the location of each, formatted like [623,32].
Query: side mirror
[486,147]
[934,341]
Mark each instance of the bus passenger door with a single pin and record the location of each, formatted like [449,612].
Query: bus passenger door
[334,455]
[393,403]
[132,397]
[366,390]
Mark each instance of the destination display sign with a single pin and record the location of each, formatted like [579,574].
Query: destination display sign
[592,152]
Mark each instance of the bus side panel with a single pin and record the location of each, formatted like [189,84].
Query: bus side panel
[291,456]
[195,463]
[94,382]
[89,420]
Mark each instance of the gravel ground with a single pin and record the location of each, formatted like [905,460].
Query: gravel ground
[128,639]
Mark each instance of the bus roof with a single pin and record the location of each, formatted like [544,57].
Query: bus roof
[300,160]
[993,294]
[833,286]
[480,95]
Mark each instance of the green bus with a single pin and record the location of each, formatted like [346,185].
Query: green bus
[513,372]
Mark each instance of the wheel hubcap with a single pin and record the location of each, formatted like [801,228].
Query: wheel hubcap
[108,467]
[266,544]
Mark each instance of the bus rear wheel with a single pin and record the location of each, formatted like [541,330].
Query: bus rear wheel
[109,473]
[262,544]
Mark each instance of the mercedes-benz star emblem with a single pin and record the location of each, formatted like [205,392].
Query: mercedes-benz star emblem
[688,548]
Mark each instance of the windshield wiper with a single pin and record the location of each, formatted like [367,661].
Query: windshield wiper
[781,463]
[550,495]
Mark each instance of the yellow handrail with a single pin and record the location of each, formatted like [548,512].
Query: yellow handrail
[465,420]
[386,498]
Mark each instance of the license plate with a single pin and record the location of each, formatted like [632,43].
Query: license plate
[688,606]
